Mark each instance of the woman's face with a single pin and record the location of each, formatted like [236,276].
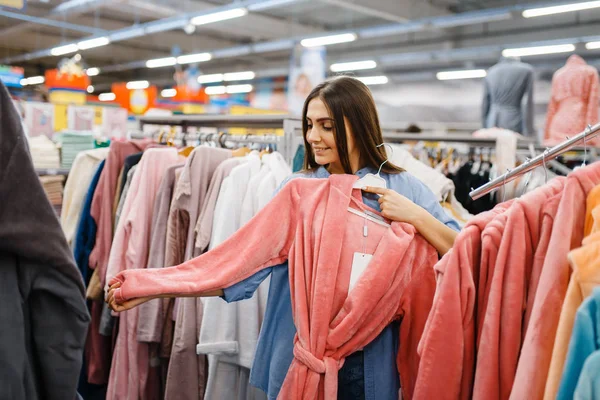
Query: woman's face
[321,137]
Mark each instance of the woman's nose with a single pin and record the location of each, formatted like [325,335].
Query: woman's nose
[313,136]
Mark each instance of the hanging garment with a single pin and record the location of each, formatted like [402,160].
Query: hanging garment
[230,330]
[574,101]
[279,170]
[567,233]
[588,385]
[128,163]
[103,200]
[274,353]
[43,317]
[584,278]
[187,373]
[76,188]
[449,335]
[511,248]
[508,97]
[44,153]
[585,340]
[298,162]
[469,177]
[129,369]
[337,324]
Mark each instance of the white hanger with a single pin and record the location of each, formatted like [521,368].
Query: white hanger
[373,180]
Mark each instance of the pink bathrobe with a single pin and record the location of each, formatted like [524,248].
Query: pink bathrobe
[308,224]
[447,348]
[514,243]
[130,364]
[567,233]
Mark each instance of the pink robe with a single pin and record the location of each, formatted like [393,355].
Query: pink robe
[130,365]
[308,224]
[567,234]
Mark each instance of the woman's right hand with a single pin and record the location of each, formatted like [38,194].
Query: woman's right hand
[127,305]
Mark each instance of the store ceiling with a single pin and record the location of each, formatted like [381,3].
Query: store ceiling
[401,56]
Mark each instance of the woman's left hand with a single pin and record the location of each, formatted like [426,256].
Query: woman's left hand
[396,207]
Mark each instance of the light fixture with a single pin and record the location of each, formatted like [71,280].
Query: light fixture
[219,16]
[92,71]
[90,89]
[592,45]
[210,78]
[461,74]
[239,76]
[239,89]
[374,80]
[538,50]
[542,11]
[327,40]
[168,92]
[194,58]
[137,85]
[263,5]
[66,49]
[107,96]
[353,66]
[161,62]
[33,80]
[91,43]
[212,90]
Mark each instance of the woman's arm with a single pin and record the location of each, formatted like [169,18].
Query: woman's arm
[398,208]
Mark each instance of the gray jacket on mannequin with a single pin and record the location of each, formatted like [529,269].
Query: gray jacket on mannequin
[43,314]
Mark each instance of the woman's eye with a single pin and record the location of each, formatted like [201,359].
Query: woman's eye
[327,128]
[309,126]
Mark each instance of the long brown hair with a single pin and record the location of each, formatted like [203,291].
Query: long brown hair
[348,97]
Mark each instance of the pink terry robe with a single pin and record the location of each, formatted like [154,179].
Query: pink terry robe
[449,335]
[308,224]
[567,234]
[499,343]
[129,370]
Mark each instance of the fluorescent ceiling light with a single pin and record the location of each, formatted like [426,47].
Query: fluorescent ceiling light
[161,62]
[373,80]
[353,66]
[168,92]
[90,44]
[107,96]
[92,71]
[212,90]
[210,78]
[33,80]
[219,16]
[90,89]
[539,12]
[327,40]
[137,85]
[268,4]
[66,49]
[239,89]
[463,74]
[239,76]
[194,58]
[592,45]
[538,50]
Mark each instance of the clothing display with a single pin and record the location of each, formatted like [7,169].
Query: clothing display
[508,97]
[72,143]
[44,316]
[574,101]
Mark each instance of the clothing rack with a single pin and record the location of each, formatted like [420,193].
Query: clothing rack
[548,154]
[286,144]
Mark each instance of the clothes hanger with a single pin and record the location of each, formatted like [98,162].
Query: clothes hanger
[373,180]
[241,152]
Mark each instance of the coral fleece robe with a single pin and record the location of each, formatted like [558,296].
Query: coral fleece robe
[308,224]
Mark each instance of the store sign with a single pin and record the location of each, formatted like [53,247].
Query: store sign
[16,4]
[11,76]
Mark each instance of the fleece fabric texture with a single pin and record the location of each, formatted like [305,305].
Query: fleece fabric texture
[43,318]
[130,365]
[584,278]
[567,234]
[398,283]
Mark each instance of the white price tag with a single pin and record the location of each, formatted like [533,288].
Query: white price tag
[360,262]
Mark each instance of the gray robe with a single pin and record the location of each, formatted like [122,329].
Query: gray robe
[43,315]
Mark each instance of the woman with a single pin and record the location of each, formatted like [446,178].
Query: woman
[341,135]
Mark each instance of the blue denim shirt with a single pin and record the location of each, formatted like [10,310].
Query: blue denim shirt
[274,352]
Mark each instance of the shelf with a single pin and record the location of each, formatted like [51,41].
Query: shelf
[52,171]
